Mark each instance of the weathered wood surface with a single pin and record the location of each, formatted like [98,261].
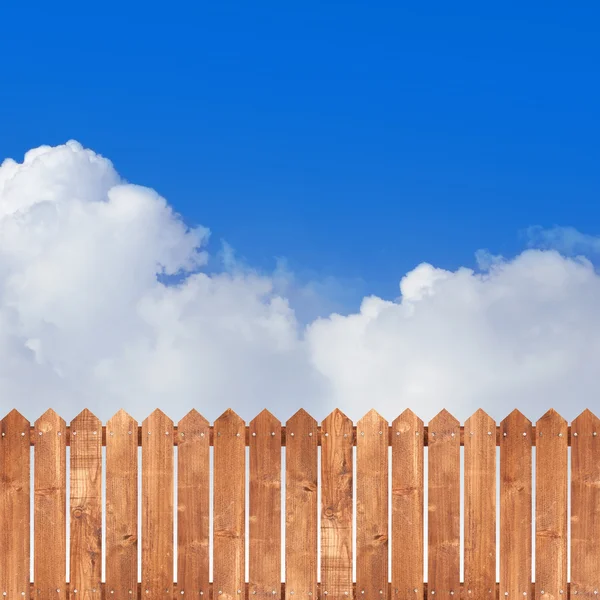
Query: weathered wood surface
[444,505]
[515,506]
[14,505]
[336,505]
[193,481]
[301,466]
[229,505]
[157,506]
[265,506]
[50,497]
[86,507]
[121,506]
[372,506]
[585,506]
[480,505]
[407,506]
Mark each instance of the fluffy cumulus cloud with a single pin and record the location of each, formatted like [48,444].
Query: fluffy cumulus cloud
[90,317]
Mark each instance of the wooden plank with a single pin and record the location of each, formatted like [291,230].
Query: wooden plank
[193,481]
[229,506]
[372,506]
[14,506]
[336,506]
[86,507]
[301,504]
[444,506]
[515,506]
[585,505]
[121,506]
[265,505]
[407,507]
[480,505]
[50,497]
[157,506]
[551,461]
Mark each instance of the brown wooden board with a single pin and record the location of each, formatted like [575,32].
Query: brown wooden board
[14,506]
[515,506]
[480,506]
[585,505]
[551,462]
[444,506]
[193,481]
[407,507]
[229,506]
[265,506]
[86,507]
[336,506]
[372,507]
[50,497]
[121,507]
[157,506]
[301,465]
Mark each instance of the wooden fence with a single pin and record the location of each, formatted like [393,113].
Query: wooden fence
[303,439]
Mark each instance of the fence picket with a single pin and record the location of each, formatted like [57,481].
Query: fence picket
[301,507]
[515,506]
[86,507]
[444,506]
[14,506]
[229,506]
[336,506]
[193,480]
[407,506]
[50,497]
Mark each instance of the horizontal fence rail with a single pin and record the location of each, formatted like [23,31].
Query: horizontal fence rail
[348,495]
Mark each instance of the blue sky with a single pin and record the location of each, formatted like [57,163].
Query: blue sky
[354,139]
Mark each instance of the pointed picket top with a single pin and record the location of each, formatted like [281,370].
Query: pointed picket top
[443,425]
[49,422]
[265,418]
[14,419]
[372,423]
[157,422]
[408,422]
[587,423]
[337,423]
[229,423]
[229,416]
[516,423]
[86,419]
[193,420]
[301,417]
[122,422]
[551,423]
[480,422]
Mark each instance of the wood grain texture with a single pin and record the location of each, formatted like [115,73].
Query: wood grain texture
[193,498]
[444,505]
[301,465]
[265,505]
[372,507]
[229,506]
[480,505]
[14,506]
[50,497]
[515,506]
[551,480]
[86,507]
[407,506]
[157,506]
[121,506]
[336,505]
[585,505]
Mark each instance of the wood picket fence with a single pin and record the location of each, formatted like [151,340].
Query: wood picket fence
[302,439]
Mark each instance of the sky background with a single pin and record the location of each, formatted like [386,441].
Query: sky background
[354,139]
[337,208]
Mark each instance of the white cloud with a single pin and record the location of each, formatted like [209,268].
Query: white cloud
[86,320]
